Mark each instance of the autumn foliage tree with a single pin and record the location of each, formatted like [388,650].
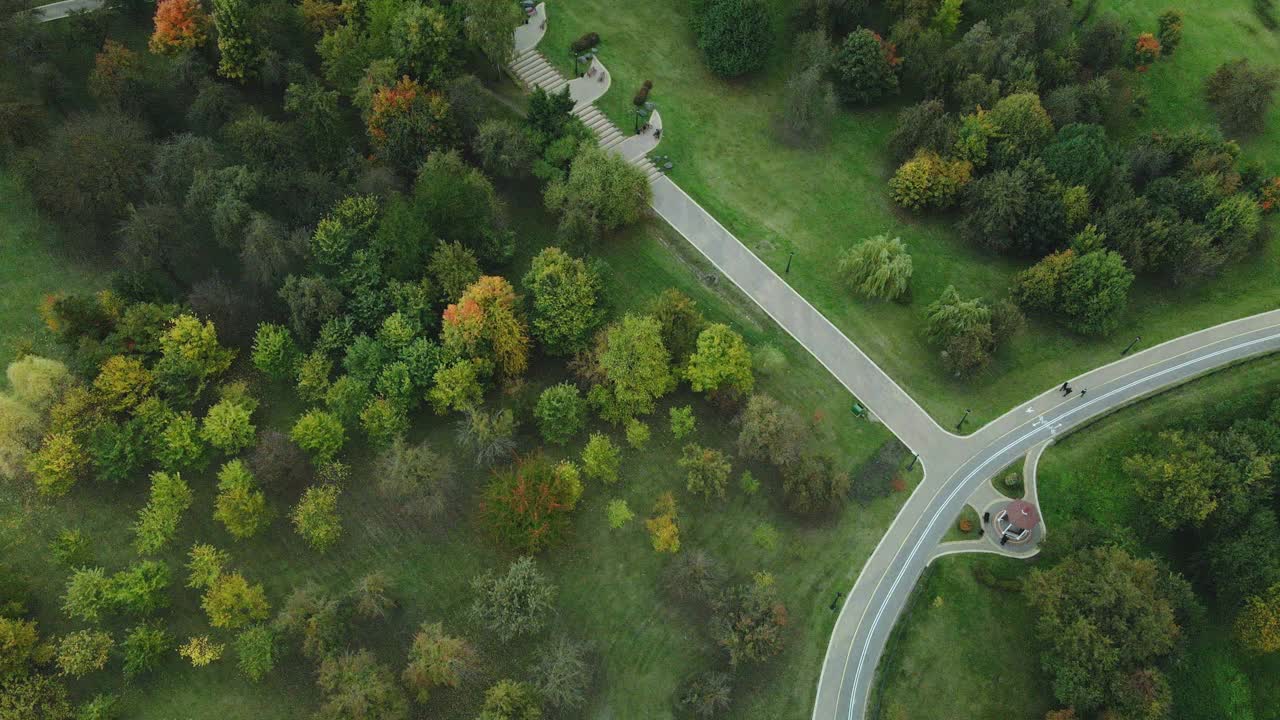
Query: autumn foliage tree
[180,25]
[528,505]
[406,122]
[485,323]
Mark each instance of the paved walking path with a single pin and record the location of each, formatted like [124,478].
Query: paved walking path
[59,10]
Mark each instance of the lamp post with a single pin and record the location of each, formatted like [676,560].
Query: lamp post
[789,256]
[966,417]
[643,111]
[1130,346]
[913,462]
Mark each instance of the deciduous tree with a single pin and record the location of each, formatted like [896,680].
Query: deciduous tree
[180,25]
[566,301]
[436,660]
[315,517]
[878,267]
[514,604]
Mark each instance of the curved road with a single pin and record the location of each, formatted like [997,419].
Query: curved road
[885,582]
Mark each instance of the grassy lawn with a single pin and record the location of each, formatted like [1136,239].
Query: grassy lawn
[608,580]
[932,665]
[817,201]
[31,267]
[957,651]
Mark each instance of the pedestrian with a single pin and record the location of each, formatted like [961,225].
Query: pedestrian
[1069,391]
[1003,539]
[986,517]
[1082,392]
[1063,389]
[981,532]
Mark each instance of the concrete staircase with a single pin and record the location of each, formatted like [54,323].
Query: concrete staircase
[534,71]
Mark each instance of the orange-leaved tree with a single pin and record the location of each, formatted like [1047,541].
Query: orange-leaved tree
[180,25]
[485,323]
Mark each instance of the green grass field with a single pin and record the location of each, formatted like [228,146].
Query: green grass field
[816,202]
[31,267]
[935,670]
[608,580]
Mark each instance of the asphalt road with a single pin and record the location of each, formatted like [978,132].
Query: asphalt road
[59,10]
[885,582]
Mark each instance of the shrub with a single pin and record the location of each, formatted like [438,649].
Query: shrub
[637,434]
[664,533]
[748,621]
[878,267]
[642,95]
[601,459]
[584,43]
[748,483]
[765,536]
[514,604]
[201,651]
[435,660]
[205,565]
[1146,50]
[527,506]
[141,588]
[1241,95]
[257,649]
[88,594]
[865,68]
[682,421]
[619,513]
[707,471]
[57,465]
[735,36]
[71,548]
[1170,32]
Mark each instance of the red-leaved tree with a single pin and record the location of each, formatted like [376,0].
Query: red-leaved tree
[180,25]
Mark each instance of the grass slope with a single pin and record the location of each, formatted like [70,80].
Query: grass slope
[816,202]
[941,662]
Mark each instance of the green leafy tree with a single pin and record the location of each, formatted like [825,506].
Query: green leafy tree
[122,383]
[422,40]
[635,369]
[878,267]
[88,594]
[488,25]
[930,182]
[454,268]
[708,694]
[84,651]
[1088,607]
[506,149]
[452,194]
[734,35]
[257,650]
[706,471]
[140,589]
[1021,127]
[346,397]
[356,686]
[560,413]
[486,323]
[1187,479]
[274,351]
[511,700]
[489,435]
[1241,95]
[237,48]
[808,107]
[748,621]
[865,68]
[566,301]
[144,648]
[157,522]
[228,426]
[680,322]
[180,446]
[320,434]
[601,459]
[722,362]
[383,421]
[231,602]
[205,565]
[58,464]
[1095,290]
[240,505]
[1258,624]
[18,640]
[315,517]
[602,193]
[435,660]
[313,376]
[458,386]
[963,329]
[1170,33]
[118,451]
[190,357]
[514,604]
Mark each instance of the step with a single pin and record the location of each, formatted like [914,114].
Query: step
[614,142]
[585,111]
[609,136]
[533,70]
[527,61]
[556,86]
[599,124]
[544,75]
